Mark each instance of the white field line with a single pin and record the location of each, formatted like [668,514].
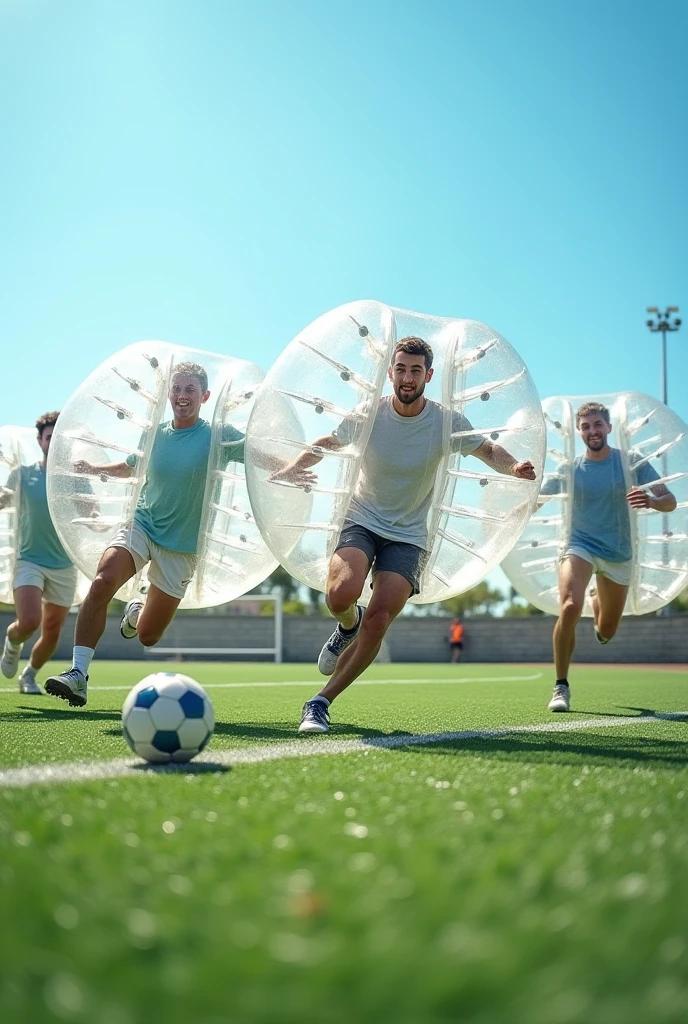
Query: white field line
[306,746]
[314,682]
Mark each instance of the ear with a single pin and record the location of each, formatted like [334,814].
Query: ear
[389,372]
[429,373]
[206,396]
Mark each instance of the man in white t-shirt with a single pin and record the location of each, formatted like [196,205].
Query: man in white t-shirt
[386,524]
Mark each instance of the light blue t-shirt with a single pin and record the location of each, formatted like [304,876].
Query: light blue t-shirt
[38,541]
[600,521]
[393,492]
[170,505]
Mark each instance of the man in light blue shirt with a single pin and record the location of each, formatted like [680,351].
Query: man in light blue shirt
[44,580]
[164,531]
[600,540]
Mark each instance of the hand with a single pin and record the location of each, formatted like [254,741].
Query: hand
[523,470]
[81,466]
[637,498]
[305,478]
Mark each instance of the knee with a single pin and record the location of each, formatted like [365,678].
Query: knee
[103,588]
[570,609]
[28,623]
[147,636]
[376,623]
[607,627]
[341,596]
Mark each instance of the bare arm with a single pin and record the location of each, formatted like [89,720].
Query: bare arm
[119,469]
[499,458]
[298,471]
[660,499]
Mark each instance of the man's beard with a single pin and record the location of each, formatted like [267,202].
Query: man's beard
[409,397]
[595,446]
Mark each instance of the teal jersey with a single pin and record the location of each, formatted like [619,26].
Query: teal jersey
[38,541]
[170,505]
[600,520]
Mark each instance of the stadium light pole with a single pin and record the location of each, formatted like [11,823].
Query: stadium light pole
[663,321]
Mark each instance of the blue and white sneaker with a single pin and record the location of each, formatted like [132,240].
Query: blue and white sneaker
[315,716]
[70,686]
[338,642]
[129,623]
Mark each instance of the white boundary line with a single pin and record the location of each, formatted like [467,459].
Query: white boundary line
[314,682]
[88,771]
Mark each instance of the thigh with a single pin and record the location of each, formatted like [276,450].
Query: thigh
[574,576]
[28,604]
[117,566]
[158,611]
[612,599]
[407,560]
[348,567]
[391,591]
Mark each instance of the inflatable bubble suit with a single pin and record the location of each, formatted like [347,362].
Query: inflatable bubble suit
[644,431]
[336,368]
[115,413]
[18,447]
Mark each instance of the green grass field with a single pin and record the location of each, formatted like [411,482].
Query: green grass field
[536,872]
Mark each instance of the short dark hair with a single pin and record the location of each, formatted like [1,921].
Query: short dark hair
[414,347]
[48,419]
[194,370]
[592,409]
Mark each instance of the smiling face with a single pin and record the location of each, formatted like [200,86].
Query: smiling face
[186,397]
[594,430]
[409,375]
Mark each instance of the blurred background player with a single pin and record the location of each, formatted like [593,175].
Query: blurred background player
[456,632]
[44,578]
[164,530]
[600,539]
[386,524]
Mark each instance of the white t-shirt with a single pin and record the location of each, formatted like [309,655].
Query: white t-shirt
[395,484]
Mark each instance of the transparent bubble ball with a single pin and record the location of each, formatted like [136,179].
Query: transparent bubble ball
[645,431]
[336,369]
[115,413]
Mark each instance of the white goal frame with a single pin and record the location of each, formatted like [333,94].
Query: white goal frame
[276,651]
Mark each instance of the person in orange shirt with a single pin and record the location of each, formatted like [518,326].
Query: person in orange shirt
[456,640]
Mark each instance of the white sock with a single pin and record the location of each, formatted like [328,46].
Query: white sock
[11,644]
[82,657]
[319,696]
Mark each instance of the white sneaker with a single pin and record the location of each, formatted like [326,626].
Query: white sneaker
[127,626]
[10,658]
[315,716]
[27,681]
[70,686]
[560,698]
[338,642]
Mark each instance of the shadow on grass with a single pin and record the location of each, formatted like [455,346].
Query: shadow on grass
[283,731]
[190,768]
[37,713]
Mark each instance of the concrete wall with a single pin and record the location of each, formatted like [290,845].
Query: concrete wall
[662,639]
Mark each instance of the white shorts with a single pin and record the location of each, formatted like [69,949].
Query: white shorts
[617,572]
[170,571]
[58,585]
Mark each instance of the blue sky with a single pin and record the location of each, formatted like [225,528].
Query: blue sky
[220,173]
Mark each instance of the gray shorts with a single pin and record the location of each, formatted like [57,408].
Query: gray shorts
[407,560]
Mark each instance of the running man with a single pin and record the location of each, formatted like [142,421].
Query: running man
[44,578]
[600,540]
[386,524]
[164,530]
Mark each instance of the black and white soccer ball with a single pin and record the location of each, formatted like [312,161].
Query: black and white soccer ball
[167,717]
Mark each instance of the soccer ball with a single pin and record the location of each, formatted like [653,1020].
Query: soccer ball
[167,717]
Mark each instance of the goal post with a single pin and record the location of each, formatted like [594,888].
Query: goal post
[272,653]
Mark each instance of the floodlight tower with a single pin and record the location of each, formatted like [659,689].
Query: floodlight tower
[666,321]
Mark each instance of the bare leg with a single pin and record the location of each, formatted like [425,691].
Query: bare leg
[114,569]
[390,593]
[51,626]
[574,576]
[609,606]
[345,579]
[28,609]
[155,616]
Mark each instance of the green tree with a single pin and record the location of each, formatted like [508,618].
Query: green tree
[480,600]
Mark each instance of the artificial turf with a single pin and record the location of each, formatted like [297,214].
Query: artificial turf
[523,876]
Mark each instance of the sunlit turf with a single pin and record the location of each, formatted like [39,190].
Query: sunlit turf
[531,876]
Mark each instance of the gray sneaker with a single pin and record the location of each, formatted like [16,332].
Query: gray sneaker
[127,626]
[10,659]
[338,642]
[27,682]
[560,698]
[70,686]
[315,717]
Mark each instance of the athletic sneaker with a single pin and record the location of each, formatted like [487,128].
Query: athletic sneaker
[601,639]
[27,681]
[338,642]
[10,659]
[127,626]
[69,686]
[315,717]
[560,698]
